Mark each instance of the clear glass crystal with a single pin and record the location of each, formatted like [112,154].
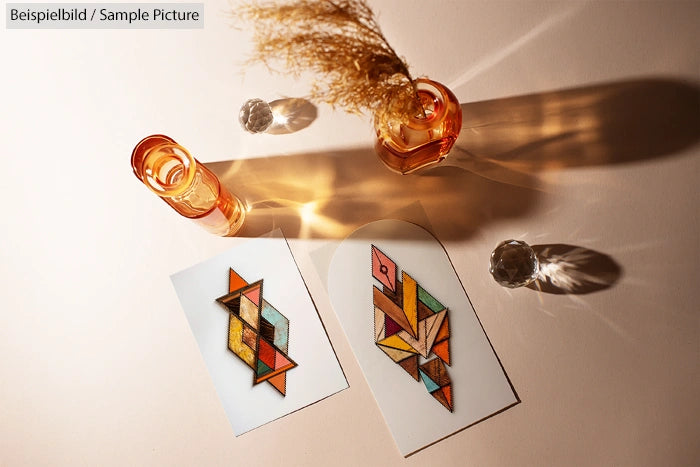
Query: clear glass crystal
[514,264]
[255,116]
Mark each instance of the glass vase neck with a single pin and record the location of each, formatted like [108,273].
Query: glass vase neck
[164,166]
[406,144]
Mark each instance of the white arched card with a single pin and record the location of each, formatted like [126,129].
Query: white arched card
[479,386]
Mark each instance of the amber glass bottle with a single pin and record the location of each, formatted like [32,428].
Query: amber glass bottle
[171,172]
[424,139]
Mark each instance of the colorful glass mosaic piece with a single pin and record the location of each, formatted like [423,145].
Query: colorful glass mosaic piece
[383,268]
[394,311]
[437,381]
[410,301]
[411,366]
[258,333]
[410,327]
[442,350]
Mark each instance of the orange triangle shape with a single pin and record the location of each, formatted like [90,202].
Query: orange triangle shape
[433,325]
[235,281]
[442,350]
[439,394]
[279,382]
[447,390]
[444,331]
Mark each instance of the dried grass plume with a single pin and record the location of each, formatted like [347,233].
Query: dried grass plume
[339,42]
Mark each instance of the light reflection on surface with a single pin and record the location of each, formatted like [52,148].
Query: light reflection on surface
[494,172]
[291,115]
[568,269]
[329,195]
[500,55]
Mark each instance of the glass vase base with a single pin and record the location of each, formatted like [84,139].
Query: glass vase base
[409,142]
[226,218]
[416,159]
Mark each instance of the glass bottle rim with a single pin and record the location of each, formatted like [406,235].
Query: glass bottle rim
[175,153]
[440,98]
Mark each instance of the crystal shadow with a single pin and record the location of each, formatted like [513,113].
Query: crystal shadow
[569,269]
[291,115]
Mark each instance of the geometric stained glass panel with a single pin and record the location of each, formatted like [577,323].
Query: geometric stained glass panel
[258,332]
[414,324]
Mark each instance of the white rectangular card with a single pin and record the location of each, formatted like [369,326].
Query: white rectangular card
[317,373]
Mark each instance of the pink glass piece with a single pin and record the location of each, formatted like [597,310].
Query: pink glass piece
[383,269]
[281,361]
[253,295]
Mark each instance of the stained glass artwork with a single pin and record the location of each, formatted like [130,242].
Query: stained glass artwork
[414,332]
[258,333]
[412,328]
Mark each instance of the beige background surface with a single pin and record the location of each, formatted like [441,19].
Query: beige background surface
[97,361]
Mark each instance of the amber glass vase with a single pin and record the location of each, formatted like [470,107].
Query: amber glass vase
[171,172]
[409,144]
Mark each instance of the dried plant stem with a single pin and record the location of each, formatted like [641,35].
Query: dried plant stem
[341,43]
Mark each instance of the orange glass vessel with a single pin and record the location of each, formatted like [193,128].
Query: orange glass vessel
[171,172]
[424,139]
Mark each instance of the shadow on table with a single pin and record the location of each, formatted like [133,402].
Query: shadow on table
[330,194]
[291,114]
[512,139]
[503,146]
[568,269]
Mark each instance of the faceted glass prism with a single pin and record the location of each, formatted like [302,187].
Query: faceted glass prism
[255,116]
[514,264]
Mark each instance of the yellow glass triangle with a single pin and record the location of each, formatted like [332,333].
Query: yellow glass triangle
[395,342]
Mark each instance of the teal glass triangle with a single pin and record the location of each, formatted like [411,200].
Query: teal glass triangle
[262,368]
[430,385]
[429,301]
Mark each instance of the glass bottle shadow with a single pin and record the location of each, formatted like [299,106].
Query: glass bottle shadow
[511,139]
[291,115]
[569,269]
[329,194]
[503,144]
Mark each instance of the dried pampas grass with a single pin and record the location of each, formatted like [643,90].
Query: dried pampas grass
[341,43]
